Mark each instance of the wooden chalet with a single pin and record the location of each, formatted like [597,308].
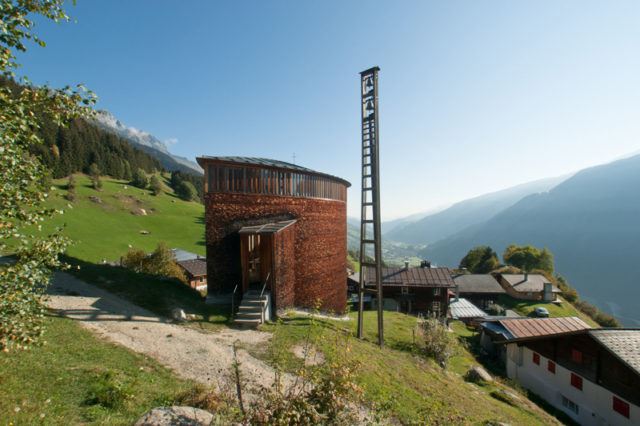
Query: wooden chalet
[414,290]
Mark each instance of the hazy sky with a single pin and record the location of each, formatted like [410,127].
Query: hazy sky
[475,96]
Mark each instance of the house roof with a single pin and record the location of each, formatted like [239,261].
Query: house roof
[525,328]
[478,283]
[194,267]
[265,162]
[532,283]
[412,277]
[181,255]
[622,343]
[462,308]
[267,228]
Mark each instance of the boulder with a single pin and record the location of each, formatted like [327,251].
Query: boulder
[175,416]
[477,374]
[179,315]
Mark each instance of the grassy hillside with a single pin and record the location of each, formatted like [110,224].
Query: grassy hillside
[398,381]
[105,227]
[56,384]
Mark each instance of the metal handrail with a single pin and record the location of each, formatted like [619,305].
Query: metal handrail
[233,301]
[264,305]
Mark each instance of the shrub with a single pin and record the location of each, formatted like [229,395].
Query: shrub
[160,262]
[108,391]
[439,344]
[94,173]
[140,179]
[569,293]
[155,185]
[186,191]
[200,396]
[321,395]
[495,309]
[71,189]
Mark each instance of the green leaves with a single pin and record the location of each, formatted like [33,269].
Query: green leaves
[23,185]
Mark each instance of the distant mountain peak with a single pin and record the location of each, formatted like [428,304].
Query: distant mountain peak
[108,121]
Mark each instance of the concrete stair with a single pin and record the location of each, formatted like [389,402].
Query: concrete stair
[250,312]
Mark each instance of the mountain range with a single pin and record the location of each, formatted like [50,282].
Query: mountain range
[590,222]
[147,142]
[434,227]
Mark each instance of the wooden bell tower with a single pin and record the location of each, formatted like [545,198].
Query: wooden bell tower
[370,227]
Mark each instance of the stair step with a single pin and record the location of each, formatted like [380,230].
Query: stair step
[249,315]
[248,322]
[256,308]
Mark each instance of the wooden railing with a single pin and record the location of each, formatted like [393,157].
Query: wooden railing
[233,301]
[264,305]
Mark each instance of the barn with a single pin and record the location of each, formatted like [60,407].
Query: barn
[275,228]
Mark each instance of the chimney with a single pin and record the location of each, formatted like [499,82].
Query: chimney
[406,264]
[425,264]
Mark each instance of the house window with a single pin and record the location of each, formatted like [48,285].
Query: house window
[576,381]
[576,356]
[536,358]
[404,290]
[569,404]
[436,291]
[201,279]
[620,406]
[551,366]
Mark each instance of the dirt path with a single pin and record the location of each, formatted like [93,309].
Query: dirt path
[204,357]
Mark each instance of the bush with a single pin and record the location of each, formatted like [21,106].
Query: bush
[140,179]
[495,309]
[186,191]
[160,262]
[200,396]
[439,344]
[155,185]
[108,391]
[71,189]
[94,173]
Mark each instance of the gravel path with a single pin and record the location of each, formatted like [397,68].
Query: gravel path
[192,354]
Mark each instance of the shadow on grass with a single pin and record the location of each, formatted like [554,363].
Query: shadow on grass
[156,294]
[491,362]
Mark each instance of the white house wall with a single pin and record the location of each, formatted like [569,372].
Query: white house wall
[595,402]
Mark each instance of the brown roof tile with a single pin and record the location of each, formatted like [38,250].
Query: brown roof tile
[535,327]
[194,267]
[412,277]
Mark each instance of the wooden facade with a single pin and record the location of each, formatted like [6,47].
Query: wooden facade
[247,202]
[222,177]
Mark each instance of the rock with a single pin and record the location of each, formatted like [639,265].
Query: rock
[477,374]
[95,199]
[178,314]
[143,232]
[175,416]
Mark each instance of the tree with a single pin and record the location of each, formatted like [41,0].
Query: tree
[155,185]
[22,282]
[529,258]
[187,191]
[480,260]
[161,262]
[71,188]
[140,179]
[94,173]
[127,170]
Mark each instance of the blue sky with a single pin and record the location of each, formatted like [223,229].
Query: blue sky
[475,96]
